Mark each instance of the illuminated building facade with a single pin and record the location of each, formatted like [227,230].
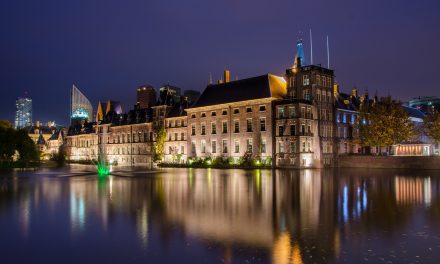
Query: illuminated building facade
[81,110]
[306,120]
[23,112]
[234,119]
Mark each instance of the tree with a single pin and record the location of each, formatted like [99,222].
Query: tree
[26,147]
[384,123]
[431,126]
[158,148]
[7,141]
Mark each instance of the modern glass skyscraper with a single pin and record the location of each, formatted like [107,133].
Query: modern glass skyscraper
[80,107]
[23,112]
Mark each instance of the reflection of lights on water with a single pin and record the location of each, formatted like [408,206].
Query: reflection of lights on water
[258,180]
[209,172]
[345,204]
[361,203]
[25,215]
[142,226]
[410,190]
[77,211]
[283,252]
[427,191]
[110,187]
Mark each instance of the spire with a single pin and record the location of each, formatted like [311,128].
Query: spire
[299,52]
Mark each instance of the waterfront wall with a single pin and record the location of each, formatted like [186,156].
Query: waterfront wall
[390,162]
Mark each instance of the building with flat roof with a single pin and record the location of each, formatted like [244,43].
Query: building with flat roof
[23,112]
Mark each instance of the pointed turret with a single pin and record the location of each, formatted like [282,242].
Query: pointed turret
[299,53]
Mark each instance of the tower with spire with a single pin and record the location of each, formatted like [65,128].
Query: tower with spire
[299,53]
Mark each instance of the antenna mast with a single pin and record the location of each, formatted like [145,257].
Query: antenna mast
[328,55]
[311,48]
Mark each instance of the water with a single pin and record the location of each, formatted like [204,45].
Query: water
[220,216]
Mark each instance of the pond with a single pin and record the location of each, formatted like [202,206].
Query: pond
[220,216]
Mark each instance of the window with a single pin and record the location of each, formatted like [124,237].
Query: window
[203,129]
[248,109]
[236,111]
[224,112]
[303,129]
[303,146]
[225,146]
[292,130]
[249,125]
[203,146]
[309,128]
[303,112]
[225,127]
[262,124]
[203,115]
[182,136]
[306,80]
[292,147]
[318,80]
[280,130]
[182,149]
[193,115]
[249,145]
[236,146]
[307,95]
[292,112]
[263,146]
[175,136]
[213,129]
[193,147]
[309,146]
[236,126]
[193,129]
[213,146]
[262,108]
[213,113]
[280,112]
[309,113]
[281,147]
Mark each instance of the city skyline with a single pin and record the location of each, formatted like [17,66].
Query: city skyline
[109,52]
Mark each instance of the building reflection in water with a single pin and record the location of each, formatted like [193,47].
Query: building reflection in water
[413,191]
[295,215]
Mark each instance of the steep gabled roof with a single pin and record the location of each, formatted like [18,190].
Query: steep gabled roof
[264,86]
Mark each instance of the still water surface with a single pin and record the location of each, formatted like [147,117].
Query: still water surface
[220,216]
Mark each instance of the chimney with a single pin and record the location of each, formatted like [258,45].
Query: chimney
[354,92]
[226,76]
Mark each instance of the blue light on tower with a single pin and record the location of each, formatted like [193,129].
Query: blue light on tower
[300,51]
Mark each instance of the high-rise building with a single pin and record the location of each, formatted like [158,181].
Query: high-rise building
[146,96]
[168,94]
[23,112]
[81,110]
[192,96]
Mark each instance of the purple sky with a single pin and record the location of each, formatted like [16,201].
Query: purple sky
[108,48]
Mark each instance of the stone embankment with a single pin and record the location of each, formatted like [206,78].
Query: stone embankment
[390,162]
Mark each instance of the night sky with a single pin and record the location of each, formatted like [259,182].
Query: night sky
[108,48]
